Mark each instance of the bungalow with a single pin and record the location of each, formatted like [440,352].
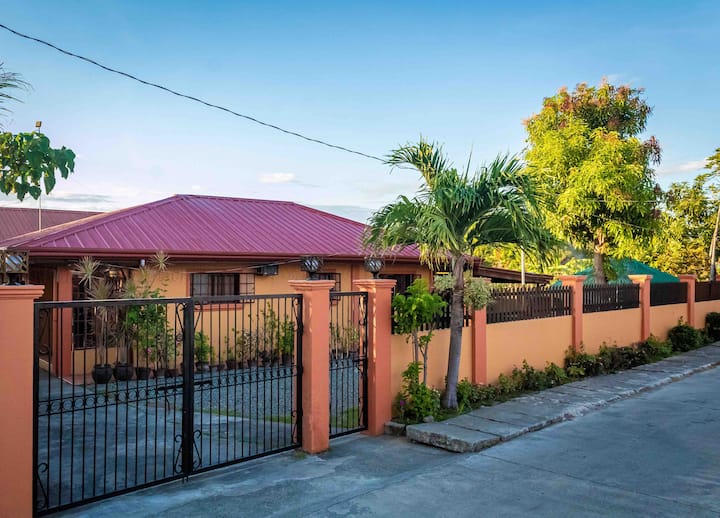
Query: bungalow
[216,245]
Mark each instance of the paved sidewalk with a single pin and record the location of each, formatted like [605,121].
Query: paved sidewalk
[487,426]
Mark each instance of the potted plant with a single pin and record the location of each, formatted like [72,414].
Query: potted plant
[286,341]
[203,352]
[97,288]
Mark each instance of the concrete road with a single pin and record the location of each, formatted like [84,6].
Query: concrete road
[656,454]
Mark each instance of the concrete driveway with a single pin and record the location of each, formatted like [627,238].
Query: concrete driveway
[655,454]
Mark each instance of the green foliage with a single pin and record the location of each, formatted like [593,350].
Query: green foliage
[203,350]
[609,359]
[654,350]
[244,346]
[682,242]
[453,213]
[712,325]
[685,338]
[477,291]
[472,395]
[416,401]
[582,363]
[279,333]
[593,170]
[344,340]
[412,311]
[27,161]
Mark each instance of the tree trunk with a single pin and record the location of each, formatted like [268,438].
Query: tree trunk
[598,268]
[456,327]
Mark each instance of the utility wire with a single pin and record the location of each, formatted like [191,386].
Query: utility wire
[190,97]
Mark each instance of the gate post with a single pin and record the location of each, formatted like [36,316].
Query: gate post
[689,279]
[379,312]
[315,363]
[18,394]
[644,282]
[576,283]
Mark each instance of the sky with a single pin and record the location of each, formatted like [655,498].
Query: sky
[364,75]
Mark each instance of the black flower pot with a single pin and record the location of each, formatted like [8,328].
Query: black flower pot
[123,371]
[102,374]
[143,373]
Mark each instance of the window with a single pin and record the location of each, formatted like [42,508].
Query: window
[330,277]
[403,281]
[217,284]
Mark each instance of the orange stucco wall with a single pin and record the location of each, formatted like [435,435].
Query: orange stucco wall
[702,309]
[663,318]
[401,354]
[538,341]
[611,328]
[176,281]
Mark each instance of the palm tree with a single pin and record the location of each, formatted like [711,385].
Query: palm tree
[451,215]
[8,81]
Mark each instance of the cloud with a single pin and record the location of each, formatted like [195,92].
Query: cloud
[277,178]
[685,167]
[196,188]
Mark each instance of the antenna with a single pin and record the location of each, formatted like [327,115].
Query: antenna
[38,125]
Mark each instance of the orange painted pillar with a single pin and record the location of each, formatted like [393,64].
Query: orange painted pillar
[576,283]
[315,364]
[479,346]
[690,279]
[644,282]
[16,399]
[379,313]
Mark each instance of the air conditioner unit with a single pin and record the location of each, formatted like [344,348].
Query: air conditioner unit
[267,269]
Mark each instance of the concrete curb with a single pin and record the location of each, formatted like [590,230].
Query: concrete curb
[487,426]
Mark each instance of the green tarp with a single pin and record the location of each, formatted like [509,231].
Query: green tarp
[624,267]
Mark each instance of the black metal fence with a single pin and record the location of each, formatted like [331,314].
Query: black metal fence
[707,290]
[610,297]
[160,389]
[348,362]
[525,303]
[663,293]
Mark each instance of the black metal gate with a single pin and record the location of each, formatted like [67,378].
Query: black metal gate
[131,393]
[348,362]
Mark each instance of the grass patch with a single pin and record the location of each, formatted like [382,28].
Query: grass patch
[349,418]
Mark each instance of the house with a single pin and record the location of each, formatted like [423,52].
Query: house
[16,221]
[216,245]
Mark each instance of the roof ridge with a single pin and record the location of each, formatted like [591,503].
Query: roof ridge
[334,216]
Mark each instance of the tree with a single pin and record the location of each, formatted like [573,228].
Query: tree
[27,161]
[452,213]
[594,171]
[686,228]
[414,310]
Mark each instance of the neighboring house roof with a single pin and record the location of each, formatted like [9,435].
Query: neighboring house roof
[199,227]
[625,267]
[17,221]
[510,276]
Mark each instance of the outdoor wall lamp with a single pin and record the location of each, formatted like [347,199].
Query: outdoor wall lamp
[374,265]
[311,264]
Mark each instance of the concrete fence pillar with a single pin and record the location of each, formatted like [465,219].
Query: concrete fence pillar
[690,280]
[379,314]
[315,363]
[644,282]
[16,399]
[479,346]
[576,283]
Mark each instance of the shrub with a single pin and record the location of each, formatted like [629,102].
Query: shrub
[654,349]
[685,338]
[555,375]
[613,359]
[582,361]
[712,326]
[416,401]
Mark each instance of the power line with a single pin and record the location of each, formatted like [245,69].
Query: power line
[190,97]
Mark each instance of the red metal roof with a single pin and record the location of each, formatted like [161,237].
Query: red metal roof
[198,227]
[18,221]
